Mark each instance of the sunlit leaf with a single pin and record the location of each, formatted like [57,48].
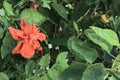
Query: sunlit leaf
[8,8]
[60,65]
[45,60]
[2,12]
[109,35]
[98,40]
[3,76]
[33,16]
[45,3]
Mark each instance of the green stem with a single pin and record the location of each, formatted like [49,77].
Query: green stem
[111,55]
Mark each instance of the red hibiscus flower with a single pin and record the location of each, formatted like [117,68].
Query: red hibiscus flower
[28,38]
[34,5]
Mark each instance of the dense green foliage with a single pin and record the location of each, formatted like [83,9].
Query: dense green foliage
[82,40]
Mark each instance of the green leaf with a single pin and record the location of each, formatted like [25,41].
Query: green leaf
[33,16]
[58,41]
[73,72]
[62,57]
[115,70]
[7,46]
[29,68]
[36,78]
[37,74]
[54,1]
[116,63]
[116,74]
[45,60]
[94,72]
[3,76]
[75,26]
[90,2]
[58,67]
[116,6]
[2,12]
[111,78]
[79,10]
[1,32]
[109,35]
[8,8]
[45,3]
[76,45]
[115,21]
[46,77]
[98,40]
[5,22]
[60,10]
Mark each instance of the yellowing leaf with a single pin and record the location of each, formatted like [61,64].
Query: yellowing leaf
[105,19]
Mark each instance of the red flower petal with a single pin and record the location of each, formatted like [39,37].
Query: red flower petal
[28,29]
[17,49]
[41,37]
[39,48]
[36,45]
[14,32]
[22,24]
[27,50]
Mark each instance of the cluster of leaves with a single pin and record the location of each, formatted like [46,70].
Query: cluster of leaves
[80,44]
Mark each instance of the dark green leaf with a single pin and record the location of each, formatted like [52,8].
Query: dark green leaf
[60,10]
[7,46]
[29,68]
[58,41]
[54,1]
[94,72]
[90,2]
[80,10]
[5,22]
[73,72]
[116,6]
[89,54]
[1,32]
